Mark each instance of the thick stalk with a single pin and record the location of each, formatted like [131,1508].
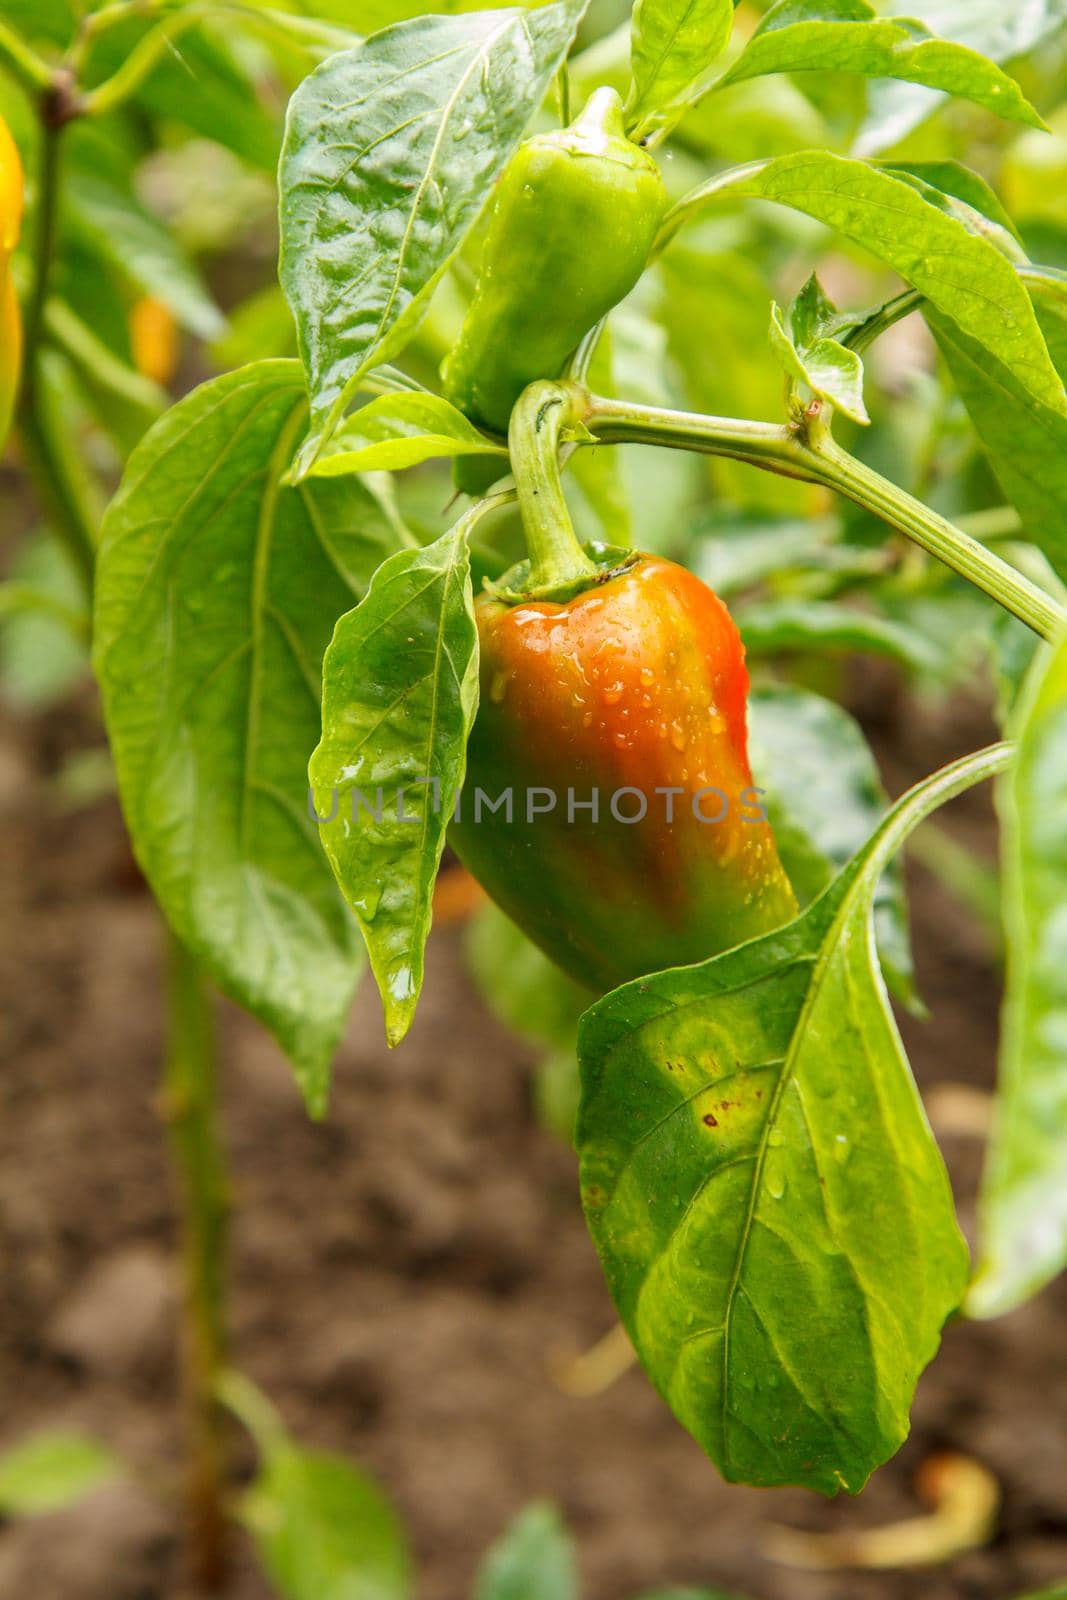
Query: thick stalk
[811,454]
[543,414]
[200,1177]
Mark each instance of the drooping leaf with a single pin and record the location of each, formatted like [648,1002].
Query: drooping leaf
[1024,438]
[400,689]
[1023,1205]
[390,150]
[960,273]
[216,592]
[848,36]
[673,44]
[532,1560]
[824,800]
[769,1205]
[996,30]
[324,1530]
[400,430]
[51,1470]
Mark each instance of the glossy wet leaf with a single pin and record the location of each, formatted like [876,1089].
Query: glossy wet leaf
[50,1470]
[400,430]
[399,693]
[848,36]
[999,29]
[217,589]
[324,1530]
[1023,1203]
[534,1559]
[390,150]
[673,44]
[769,1205]
[824,800]
[960,273]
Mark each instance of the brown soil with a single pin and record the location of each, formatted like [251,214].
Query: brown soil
[403,1273]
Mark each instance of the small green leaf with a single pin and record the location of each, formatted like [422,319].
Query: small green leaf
[769,1205]
[51,1470]
[532,1560]
[400,689]
[521,986]
[400,430]
[804,343]
[959,272]
[824,800]
[390,150]
[216,591]
[324,1530]
[673,44]
[797,36]
[1023,1204]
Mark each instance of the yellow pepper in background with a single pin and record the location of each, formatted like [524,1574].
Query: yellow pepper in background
[11,185]
[154,340]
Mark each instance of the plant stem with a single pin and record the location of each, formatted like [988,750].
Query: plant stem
[810,453]
[542,414]
[964,555]
[24,64]
[47,200]
[60,481]
[190,1108]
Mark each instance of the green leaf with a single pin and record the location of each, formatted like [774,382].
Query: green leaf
[1024,438]
[803,341]
[831,36]
[390,150]
[51,1470]
[1023,1203]
[769,1205]
[400,689]
[769,627]
[960,273]
[1002,31]
[324,1530]
[954,179]
[532,1560]
[824,800]
[217,589]
[400,430]
[975,219]
[673,44]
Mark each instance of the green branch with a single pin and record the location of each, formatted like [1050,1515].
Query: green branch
[811,454]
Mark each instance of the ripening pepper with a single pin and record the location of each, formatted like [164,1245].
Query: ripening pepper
[635,689]
[11,186]
[571,225]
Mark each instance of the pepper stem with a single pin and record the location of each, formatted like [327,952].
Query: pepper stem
[543,413]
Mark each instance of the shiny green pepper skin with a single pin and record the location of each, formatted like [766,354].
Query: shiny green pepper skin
[636,689]
[572,223]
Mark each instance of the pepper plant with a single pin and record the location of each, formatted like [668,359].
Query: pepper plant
[522,254]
